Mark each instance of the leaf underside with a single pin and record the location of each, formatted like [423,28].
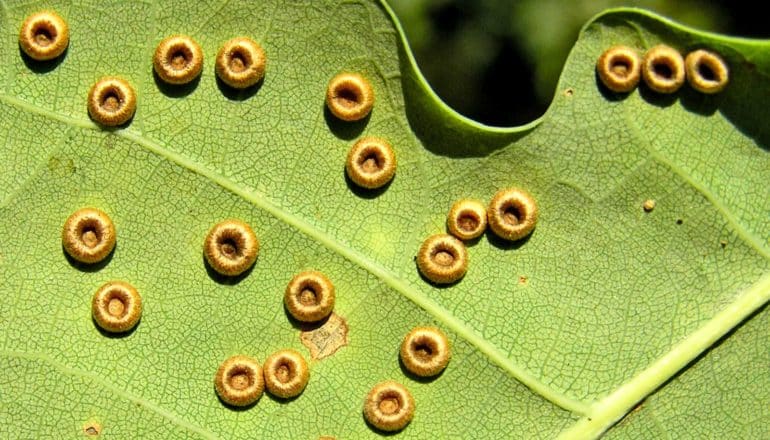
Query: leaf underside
[541,330]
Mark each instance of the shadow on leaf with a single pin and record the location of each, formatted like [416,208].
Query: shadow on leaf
[234,94]
[175,90]
[225,279]
[42,66]
[89,267]
[345,130]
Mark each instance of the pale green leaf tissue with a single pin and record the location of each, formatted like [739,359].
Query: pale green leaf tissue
[656,321]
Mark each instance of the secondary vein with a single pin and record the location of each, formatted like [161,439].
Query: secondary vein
[493,353]
[168,415]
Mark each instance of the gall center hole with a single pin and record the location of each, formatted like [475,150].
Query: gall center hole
[621,67]
[389,405]
[180,58]
[706,72]
[512,215]
[240,379]
[238,62]
[229,248]
[371,162]
[423,350]
[116,306]
[308,296]
[468,221]
[111,101]
[44,36]
[444,257]
[348,97]
[90,236]
[283,373]
[663,69]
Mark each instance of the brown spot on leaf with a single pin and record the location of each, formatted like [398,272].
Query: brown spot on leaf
[61,166]
[92,429]
[325,340]
[523,280]
[569,92]
[648,205]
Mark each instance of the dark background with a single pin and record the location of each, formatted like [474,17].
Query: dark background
[498,61]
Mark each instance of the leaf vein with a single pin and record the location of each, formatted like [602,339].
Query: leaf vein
[495,354]
[168,415]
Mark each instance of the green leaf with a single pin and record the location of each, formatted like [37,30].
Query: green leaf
[603,307]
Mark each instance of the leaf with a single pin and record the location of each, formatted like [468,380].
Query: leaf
[564,333]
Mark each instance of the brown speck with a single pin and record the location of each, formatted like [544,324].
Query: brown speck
[92,429]
[723,243]
[325,340]
[632,414]
[523,280]
[648,205]
[569,92]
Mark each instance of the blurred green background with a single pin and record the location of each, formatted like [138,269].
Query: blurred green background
[498,61]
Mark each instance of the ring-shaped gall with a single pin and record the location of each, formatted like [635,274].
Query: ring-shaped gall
[619,68]
[239,381]
[349,96]
[178,59]
[309,296]
[442,259]
[425,351]
[467,219]
[241,63]
[111,101]
[88,235]
[389,406]
[371,163]
[44,36]
[116,307]
[512,214]
[231,247]
[706,71]
[663,69]
[286,374]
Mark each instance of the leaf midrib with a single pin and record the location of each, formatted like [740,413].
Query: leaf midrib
[493,353]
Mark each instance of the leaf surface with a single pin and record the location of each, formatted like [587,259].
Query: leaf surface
[550,335]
